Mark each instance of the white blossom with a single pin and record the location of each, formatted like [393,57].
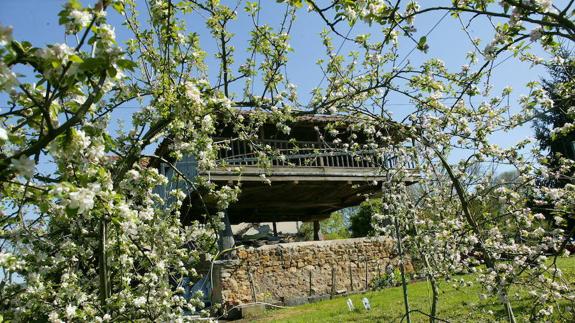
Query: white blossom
[59,52]
[193,93]
[24,166]
[5,35]
[107,32]
[539,216]
[80,18]
[536,34]
[70,311]
[545,5]
[140,301]
[81,139]
[54,317]
[83,200]
[207,122]
[3,134]
[7,77]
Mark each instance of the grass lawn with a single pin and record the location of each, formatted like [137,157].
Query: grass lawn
[455,304]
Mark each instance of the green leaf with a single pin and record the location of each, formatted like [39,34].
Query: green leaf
[422,41]
[75,58]
[118,6]
[126,64]
[93,64]
[74,4]
[112,71]
[71,212]
[422,44]
[18,48]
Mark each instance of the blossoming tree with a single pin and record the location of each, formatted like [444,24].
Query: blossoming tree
[88,238]
[514,242]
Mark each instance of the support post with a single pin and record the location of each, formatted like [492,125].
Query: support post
[332,282]
[350,278]
[275,229]
[310,284]
[252,286]
[226,240]
[316,230]
[366,270]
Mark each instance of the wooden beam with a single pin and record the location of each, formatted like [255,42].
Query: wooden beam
[297,174]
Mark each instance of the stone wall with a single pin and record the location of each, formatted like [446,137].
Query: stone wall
[292,272]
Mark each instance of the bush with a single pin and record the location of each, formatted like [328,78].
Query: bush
[360,221]
[391,278]
[333,228]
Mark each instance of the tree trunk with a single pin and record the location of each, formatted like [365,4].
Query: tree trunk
[434,300]
[103,263]
[226,240]
[489,260]
[402,269]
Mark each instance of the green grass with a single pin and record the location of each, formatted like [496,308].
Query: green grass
[455,304]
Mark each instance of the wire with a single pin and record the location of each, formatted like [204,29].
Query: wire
[403,60]
[428,33]
[336,53]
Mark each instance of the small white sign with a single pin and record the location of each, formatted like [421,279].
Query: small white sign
[350,304]
[366,303]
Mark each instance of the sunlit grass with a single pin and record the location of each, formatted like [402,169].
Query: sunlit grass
[456,304]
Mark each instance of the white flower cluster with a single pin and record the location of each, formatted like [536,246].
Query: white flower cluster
[10,262]
[78,19]
[544,5]
[84,198]
[3,135]
[58,52]
[24,166]
[5,35]
[7,77]
[193,93]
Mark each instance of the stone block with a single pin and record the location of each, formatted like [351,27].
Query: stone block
[296,301]
[253,310]
[317,298]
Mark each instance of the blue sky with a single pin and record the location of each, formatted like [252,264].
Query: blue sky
[37,21]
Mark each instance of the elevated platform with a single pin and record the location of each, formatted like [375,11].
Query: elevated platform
[294,180]
[294,193]
[291,201]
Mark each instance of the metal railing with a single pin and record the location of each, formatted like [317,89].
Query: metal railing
[286,153]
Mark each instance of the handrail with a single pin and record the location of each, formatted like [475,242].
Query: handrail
[292,154]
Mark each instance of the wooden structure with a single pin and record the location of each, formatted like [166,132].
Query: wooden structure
[304,179]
